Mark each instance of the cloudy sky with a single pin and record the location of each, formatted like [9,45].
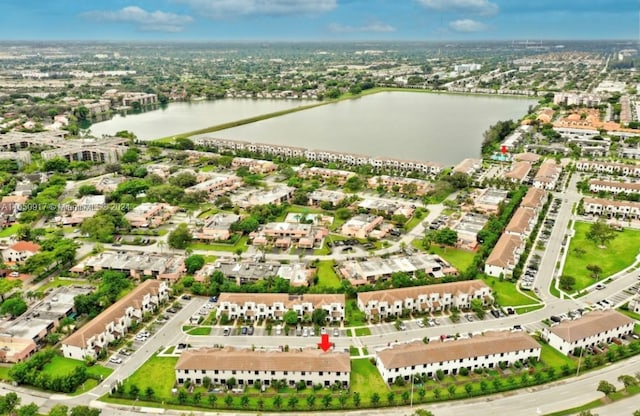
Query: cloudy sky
[299,20]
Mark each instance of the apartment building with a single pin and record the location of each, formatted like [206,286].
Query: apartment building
[611,208]
[518,172]
[489,200]
[246,366]
[20,251]
[217,185]
[588,331]
[401,184]
[488,350]
[505,255]
[276,195]
[256,306]
[247,271]
[322,195]
[468,166]
[255,165]
[430,298]
[535,198]
[614,187]
[150,214]
[522,222]
[114,322]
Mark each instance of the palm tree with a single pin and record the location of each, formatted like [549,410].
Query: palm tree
[161,245]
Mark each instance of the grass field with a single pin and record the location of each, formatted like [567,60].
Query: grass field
[619,254]
[365,379]
[200,330]
[506,293]
[355,316]
[58,282]
[554,358]
[362,332]
[460,259]
[157,373]
[327,277]
[240,244]
[4,373]
[9,231]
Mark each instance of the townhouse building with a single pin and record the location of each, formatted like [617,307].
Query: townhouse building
[217,185]
[322,195]
[287,234]
[518,172]
[114,322]
[588,331]
[611,208]
[430,298]
[401,184]
[614,187]
[248,271]
[505,255]
[622,169]
[547,175]
[535,198]
[361,226]
[135,264]
[254,165]
[488,201]
[332,175]
[277,195]
[522,222]
[150,214]
[256,306]
[374,269]
[247,367]
[634,303]
[468,166]
[216,227]
[488,350]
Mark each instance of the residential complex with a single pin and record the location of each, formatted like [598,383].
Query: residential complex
[614,187]
[339,177]
[608,167]
[611,208]
[287,234]
[431,298]
[114,322]
[590,330]
[505,255]
[373,269]
[257,306]
[487,350]
[247,367]
[150,214]
[135,264]
[216,227]
[247,271]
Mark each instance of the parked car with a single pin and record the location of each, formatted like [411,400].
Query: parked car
[336,333]
[250,331]
[115,360]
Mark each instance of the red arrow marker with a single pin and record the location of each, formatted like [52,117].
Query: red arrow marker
[503,149]
[325,344]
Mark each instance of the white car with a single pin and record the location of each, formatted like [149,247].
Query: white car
[115,360]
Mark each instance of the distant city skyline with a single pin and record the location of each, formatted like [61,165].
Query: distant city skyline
[324,20]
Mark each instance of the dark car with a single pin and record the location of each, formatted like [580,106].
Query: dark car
[245,330]
[186,297]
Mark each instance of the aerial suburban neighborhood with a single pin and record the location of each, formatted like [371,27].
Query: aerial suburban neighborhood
[283,250]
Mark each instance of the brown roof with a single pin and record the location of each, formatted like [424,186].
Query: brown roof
[112,313]
[502,254]
[312,360]
[25,246]
[418,353]
[520,221]
[611,202]
[392,295]
[534,198]
[16,199]
[287,300]
[590,324]
[527,157]
[548,170]
[519,171]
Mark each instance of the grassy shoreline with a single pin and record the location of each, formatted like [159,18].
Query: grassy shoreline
[346,96]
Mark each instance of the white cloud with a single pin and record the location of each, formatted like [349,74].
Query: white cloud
[218,9]
[467,26]
[481,7]
[370,27]
[157,21]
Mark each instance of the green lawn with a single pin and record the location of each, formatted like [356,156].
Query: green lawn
[506,294]
[353,351]
[363,332]
[9,231]
[365,379]
[355,317]
[460,259]
[58,282]
[554,358]
[61,366]
[619,254]
[200,330]
[527,309]
[4,373]
[240,244]
[157,373]
[327,277]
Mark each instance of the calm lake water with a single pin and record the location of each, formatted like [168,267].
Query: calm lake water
[183,117]
[409,125]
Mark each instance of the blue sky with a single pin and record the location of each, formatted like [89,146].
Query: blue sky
[299,20]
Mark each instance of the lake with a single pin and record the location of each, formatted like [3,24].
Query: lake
[443,128]
[181,117]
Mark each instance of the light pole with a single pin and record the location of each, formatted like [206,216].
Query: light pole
[579,361]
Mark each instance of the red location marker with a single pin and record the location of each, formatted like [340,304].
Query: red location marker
[325,344]
[503,149]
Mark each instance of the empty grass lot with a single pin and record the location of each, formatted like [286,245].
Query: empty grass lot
[355,317]
[365,379]
[506,293]
[460,259]
[9,231]
[157,373]
[619,254]
[327,277]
